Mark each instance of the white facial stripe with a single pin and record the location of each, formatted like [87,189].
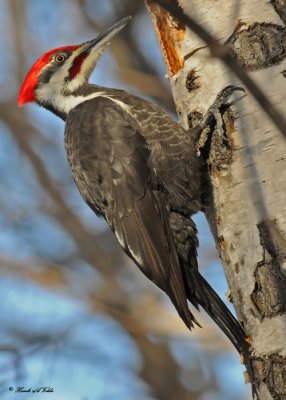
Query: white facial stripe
[47,91]
[52,92]
[56,91]
[86,68]
[63,72]
[66,103]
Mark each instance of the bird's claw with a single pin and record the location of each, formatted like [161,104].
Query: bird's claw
[213,116]
[221,99]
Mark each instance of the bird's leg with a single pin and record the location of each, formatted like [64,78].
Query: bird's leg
[212,145]
[213,118]
[220,100]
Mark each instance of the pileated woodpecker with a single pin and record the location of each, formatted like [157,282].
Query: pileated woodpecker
[137,168]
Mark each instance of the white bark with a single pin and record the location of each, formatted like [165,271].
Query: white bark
[247,214]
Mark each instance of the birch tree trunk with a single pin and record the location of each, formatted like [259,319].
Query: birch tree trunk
[246,204]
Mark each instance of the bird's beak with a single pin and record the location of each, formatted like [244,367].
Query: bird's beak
[86,55]
[100,41]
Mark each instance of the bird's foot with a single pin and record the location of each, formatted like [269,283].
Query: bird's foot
[221,99]
[213,119]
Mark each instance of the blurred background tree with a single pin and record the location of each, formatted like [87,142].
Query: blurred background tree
[76,314]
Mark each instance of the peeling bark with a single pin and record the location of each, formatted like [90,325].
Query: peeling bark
[170,33]
[245,202]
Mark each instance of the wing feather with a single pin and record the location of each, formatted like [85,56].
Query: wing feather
[109,144]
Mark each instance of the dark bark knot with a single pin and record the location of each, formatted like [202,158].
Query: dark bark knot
[194,119]
[269,294]
[260,46]
[271,370]
[192,81]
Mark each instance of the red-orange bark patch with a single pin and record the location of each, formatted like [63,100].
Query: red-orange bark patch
[170,33]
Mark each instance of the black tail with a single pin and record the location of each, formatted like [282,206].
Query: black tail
[198,291]
[201,293]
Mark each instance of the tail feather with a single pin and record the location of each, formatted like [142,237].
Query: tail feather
[200,292]
[203,294]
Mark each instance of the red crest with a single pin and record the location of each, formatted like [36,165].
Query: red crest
[27,91]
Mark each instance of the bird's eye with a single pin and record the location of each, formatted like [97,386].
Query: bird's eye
[60,58]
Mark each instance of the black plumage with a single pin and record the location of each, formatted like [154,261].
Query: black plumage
[139,169]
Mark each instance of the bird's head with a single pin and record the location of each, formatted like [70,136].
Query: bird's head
[62,71]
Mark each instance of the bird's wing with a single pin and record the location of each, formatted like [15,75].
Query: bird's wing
[109,144]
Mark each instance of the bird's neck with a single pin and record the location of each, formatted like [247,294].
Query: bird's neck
[61,104]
